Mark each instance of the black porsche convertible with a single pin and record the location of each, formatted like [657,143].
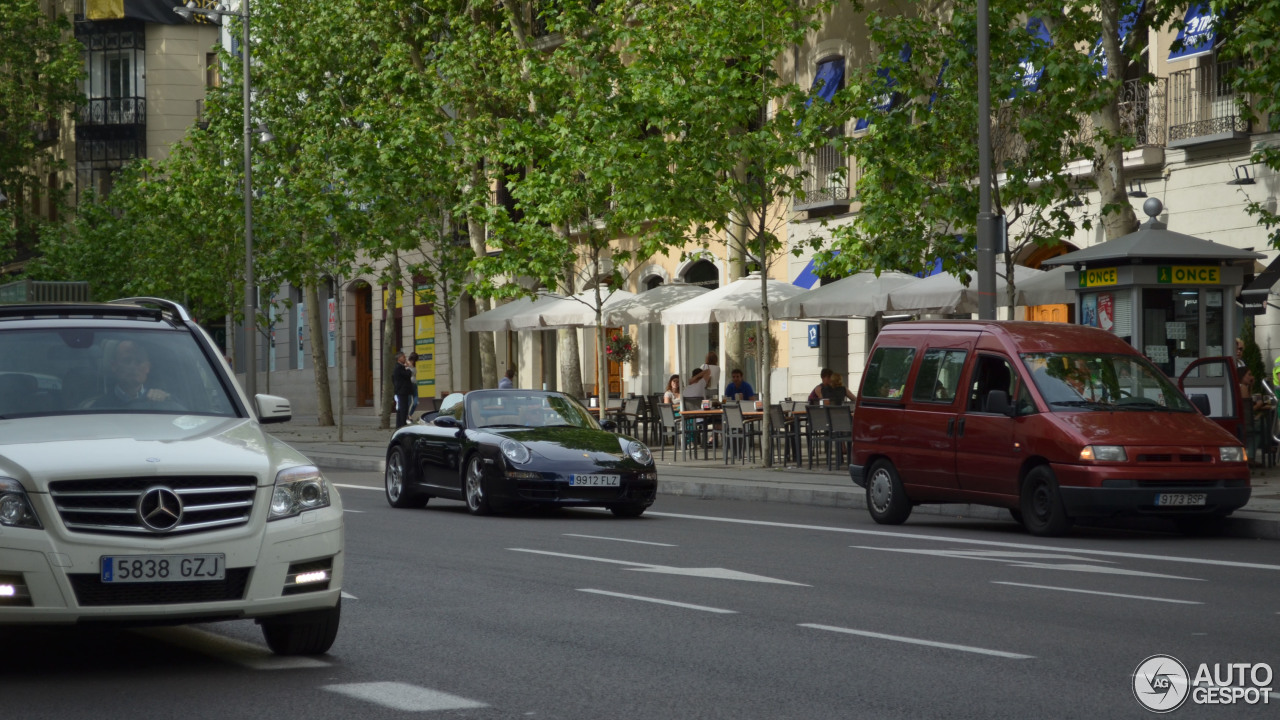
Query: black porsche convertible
[499,449]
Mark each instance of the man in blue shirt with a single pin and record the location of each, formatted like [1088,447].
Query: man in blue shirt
[738,385]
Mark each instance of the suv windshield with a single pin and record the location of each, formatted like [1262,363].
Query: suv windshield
[1098,381]
[67,370]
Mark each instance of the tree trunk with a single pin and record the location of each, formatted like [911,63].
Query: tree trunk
[488,348]
[317,319]
[338,354]
[733,354]
[569,352]
[1118,217]
[389,345]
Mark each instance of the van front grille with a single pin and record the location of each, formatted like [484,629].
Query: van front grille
[110,505]
[1168,458]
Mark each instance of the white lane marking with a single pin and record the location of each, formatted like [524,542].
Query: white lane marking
[349,596]
[1096,592]
[254,657]
[672,603]
[358,487]
[351,511]
[715,573]
[403,696]
[1012,561]
[638,542]
[917,641]
[969,541]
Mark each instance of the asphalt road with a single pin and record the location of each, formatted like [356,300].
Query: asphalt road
[700,609]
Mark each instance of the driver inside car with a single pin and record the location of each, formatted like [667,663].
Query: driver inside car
[130,366]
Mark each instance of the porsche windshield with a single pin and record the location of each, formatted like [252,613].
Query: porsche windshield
[520,409]
[1093,381]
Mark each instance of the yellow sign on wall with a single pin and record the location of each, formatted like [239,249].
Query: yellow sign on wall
[1097,277]
[399,297]
[424,343]
[1188,275]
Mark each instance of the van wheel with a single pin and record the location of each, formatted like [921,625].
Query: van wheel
[1043,513]
[887,501]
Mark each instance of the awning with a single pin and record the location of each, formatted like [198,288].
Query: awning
[1126,25]
[1254,297]
[886,83]
[1199,29]
[1030,73]
[809,275]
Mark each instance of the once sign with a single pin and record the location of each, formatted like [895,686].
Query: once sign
[1188,275]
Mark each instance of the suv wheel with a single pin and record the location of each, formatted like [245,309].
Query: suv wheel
[304,633]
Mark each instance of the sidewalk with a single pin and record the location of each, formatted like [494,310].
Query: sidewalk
[364,446]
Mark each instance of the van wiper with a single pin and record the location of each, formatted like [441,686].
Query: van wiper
[1091,404]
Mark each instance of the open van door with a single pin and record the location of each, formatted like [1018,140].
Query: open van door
[1214,382]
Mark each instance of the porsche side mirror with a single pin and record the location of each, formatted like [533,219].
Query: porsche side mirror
[446,421]
[609,425]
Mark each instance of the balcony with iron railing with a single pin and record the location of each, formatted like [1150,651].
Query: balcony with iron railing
[109,111]
[1203,107]
[830,180]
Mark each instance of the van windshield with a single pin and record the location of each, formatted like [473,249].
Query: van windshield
[1099,381]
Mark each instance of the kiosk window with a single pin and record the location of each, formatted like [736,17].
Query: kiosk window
[1171,328]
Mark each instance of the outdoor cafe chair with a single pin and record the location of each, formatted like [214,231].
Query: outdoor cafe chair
[840,433]
[783,439]
[738,435]
[670,428]
[819,431]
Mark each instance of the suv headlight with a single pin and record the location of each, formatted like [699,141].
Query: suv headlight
[638,452]
[516,452]
[1231,453]
[15,508]
[298,489]
[1104,453]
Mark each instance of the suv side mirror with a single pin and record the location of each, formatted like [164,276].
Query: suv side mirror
[272,409]
[998,402]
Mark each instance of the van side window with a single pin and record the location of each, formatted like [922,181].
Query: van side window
[939,376]
[886,375]
[992,373]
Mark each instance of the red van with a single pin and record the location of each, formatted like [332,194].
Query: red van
[1049,420]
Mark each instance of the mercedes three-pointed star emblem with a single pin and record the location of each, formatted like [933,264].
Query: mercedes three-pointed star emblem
[160,509]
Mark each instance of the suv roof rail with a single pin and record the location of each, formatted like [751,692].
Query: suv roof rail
[66,310]
[167,305]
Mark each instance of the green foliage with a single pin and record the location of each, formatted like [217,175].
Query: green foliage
[39,68]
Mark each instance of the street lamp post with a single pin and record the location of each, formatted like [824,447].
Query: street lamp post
[250,286]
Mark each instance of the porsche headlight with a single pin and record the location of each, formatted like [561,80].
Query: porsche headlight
[15,508]
[1231,453]
[516,452]
[638,452]
[1104,453]
[298,489]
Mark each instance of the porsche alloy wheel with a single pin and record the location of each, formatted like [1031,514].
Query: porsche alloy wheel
[477,503]
[398,494]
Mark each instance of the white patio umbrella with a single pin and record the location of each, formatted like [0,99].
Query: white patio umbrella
[647,307]
[944,293]
[859,295]
[739,301]
[568,312]
[1047,288]
[500,318]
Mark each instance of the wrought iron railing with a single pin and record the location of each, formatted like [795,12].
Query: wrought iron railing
[1144,113]
[114,111]
[824,184]
[1202,102]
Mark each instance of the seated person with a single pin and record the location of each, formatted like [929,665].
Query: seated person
[697,385]
[130,367]
[738,386]
[817,392]
[835,393]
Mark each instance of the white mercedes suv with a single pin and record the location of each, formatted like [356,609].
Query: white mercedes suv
[137,485]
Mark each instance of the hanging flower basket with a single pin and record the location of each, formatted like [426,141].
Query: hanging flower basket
[620,348]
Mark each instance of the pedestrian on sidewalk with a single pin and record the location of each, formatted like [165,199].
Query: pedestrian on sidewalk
[507,382]
[402,385]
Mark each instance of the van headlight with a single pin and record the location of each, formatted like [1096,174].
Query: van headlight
[1104,453]
[15,508]
[1231,453]
[298,489]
